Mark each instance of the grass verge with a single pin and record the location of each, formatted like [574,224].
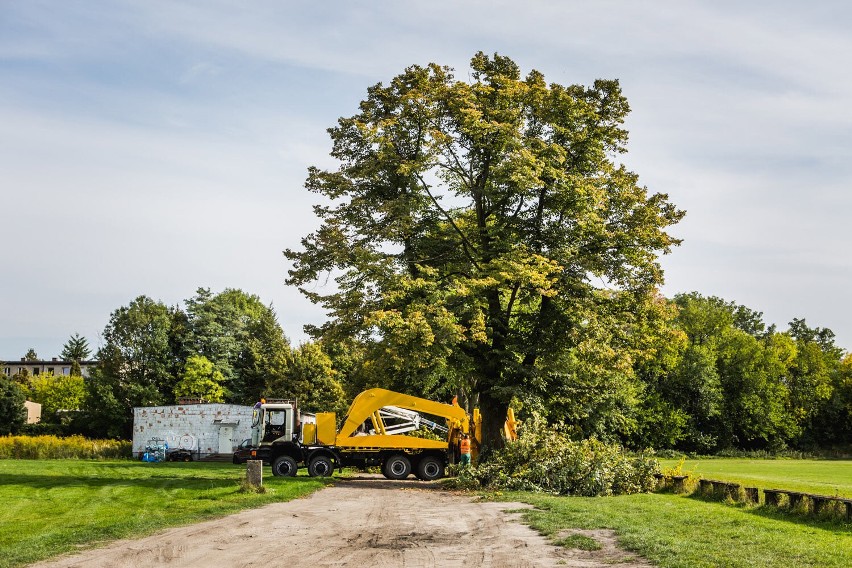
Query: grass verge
[57,506]
[675,531]
[827,477]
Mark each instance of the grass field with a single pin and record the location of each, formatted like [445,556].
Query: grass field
[48,507]
[828,477]
[676,531]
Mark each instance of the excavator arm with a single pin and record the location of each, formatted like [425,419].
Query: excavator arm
[367,405]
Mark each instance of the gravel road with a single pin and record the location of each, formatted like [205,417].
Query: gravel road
[365,522]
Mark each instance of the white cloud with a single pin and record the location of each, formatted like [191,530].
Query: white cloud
[155,147]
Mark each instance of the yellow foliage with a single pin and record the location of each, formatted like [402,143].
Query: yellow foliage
[54,447]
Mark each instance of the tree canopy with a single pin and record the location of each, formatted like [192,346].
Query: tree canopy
[479,233]
[733,382]
[76,349]
[134,367]
[311,378]
[13,414]
[225,347]
[240,336]
[57,392]
[201,380]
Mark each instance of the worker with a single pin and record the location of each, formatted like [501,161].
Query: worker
[464,448]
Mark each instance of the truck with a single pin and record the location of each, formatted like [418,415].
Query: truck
[373,433]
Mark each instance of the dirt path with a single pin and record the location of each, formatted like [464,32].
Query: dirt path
[365,522]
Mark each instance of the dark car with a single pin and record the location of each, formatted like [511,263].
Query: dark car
[243,453]
[178,455]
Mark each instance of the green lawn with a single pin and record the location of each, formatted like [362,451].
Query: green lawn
[828,477]
[676,531]
[53,506]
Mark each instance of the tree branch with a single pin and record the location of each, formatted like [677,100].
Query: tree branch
[466,245]
[512,298]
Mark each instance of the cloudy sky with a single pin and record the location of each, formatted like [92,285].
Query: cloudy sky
[155,147]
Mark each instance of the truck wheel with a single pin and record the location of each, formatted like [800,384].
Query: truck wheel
[320,466]
[284,466]
[397,467]
[430,468]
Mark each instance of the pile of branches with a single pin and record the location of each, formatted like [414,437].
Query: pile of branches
[547,460]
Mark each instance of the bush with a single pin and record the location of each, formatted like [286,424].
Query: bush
[545,459]
[765,454]
[43,429]
[53,447]
[13,414]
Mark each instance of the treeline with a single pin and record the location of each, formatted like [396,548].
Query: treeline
[225,347]
[693,373]
[720,378]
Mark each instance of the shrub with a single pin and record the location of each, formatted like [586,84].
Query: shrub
[43,429]
[53,447]
[765,454]
[13,414]
[546,459]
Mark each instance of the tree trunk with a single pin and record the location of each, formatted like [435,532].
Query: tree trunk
[493,417]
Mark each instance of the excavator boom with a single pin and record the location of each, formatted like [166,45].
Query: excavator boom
[368,404]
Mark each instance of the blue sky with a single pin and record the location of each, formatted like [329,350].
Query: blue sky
[155,147]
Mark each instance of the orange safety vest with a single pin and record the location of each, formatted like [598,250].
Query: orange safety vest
[464,446]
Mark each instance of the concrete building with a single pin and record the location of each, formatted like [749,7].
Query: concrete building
[204,429]
[33,411]
[55,366]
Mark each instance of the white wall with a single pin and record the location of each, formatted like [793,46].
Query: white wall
[195,427]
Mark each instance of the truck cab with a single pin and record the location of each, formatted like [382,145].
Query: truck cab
[271,421]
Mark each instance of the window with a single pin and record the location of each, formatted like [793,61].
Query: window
[35,371]
[66,371]
[50,370]
[7,371]
[276,417]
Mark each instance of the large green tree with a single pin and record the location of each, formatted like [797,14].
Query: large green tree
[816,374]
[135,367]
[832,424]
[311,379]
[57,392]
[482,235]
[240,336]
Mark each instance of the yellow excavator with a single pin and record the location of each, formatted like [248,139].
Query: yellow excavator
[373,433]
